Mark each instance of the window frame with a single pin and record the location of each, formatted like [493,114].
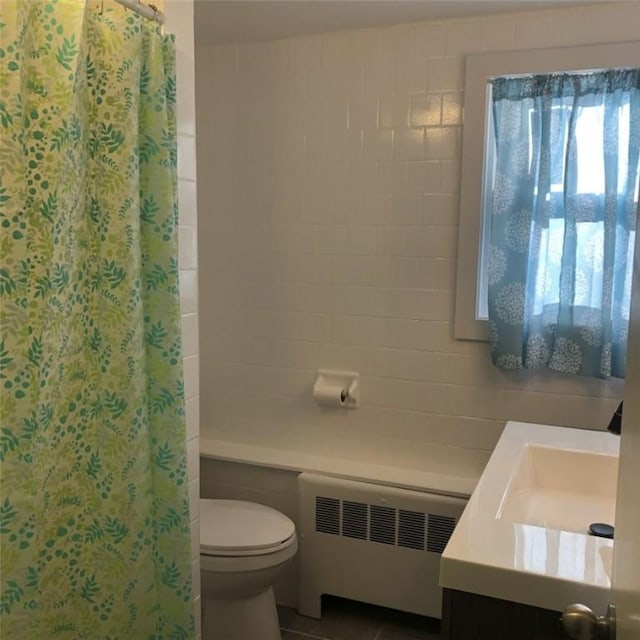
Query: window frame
[479,69]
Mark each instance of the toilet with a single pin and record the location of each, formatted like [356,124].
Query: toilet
[244,547]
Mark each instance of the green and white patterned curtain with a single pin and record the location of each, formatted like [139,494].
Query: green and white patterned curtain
[94,515]
[563,220]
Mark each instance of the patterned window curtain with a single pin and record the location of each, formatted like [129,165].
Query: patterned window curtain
[94,513]
[563,220]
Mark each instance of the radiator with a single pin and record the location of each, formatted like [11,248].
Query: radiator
[372,543]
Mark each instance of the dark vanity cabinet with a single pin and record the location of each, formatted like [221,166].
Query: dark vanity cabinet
[467,616]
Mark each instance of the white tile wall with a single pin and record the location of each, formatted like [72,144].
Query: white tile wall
[329,183]
[179,21]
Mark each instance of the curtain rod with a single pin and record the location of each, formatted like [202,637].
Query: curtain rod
[146,10]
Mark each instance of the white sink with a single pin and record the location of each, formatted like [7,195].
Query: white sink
[561,489]
[523,535]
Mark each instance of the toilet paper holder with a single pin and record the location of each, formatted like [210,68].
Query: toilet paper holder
[337,388]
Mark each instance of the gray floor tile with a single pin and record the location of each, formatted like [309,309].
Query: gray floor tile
[348,620]
[341,620]
[406,626]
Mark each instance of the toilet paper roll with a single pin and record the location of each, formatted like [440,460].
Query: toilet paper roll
[330,395]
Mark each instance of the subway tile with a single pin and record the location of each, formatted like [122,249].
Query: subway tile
[429,41]
[452,108]
[378,144]
[353,330]
[375,209]
[406,273]
[393,177]
[186,107]
[450,176]
[366,46]
[498,33]
[362,175]
[332,239]
[337,48]
[533,30]
[424,177]
[394,111]
[411,76]
[379,79]
[190,334]
[193,458]
[438,273]
[396,42]
[350,144]
[186,157]
[569,27]
[289,207]
[195,538]
[442,143]
[188,291]
[361,240]
[347,208]
[197,612]
[347,300]
[407,209]
[301,238]
[191,376]
[425,110]
[608,24]
[195,579]
[391,241]
[408,144]
[376,271]
[221,59]
[306,53]
[446,74]
[419,304]
[188,212]
[192,417]
[363,112]
[397,333]
[462,37]
[440,208]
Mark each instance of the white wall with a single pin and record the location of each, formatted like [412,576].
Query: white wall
[179,20]
[329,174]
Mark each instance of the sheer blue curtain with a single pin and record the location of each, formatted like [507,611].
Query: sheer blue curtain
[563,219]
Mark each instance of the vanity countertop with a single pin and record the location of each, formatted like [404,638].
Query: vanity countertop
[523,536]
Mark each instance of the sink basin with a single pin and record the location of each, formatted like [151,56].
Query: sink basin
[523,536]
[561,489]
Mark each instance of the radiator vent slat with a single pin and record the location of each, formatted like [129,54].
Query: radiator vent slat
[354,519]
[328,515]
[439,530]
[383,525]
[411,529]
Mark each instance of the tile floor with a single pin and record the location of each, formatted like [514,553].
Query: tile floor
[348,620]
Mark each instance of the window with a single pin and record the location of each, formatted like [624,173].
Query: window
[479,163]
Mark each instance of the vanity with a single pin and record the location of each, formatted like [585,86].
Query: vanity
[522,551]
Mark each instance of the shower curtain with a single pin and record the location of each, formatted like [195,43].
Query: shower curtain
[94,515]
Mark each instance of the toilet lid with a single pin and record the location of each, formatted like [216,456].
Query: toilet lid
[234,525]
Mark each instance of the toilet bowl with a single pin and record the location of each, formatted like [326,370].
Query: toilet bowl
[243,549]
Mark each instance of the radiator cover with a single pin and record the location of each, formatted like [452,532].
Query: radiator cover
[372,543]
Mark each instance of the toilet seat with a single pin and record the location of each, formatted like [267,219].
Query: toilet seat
[238,528]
